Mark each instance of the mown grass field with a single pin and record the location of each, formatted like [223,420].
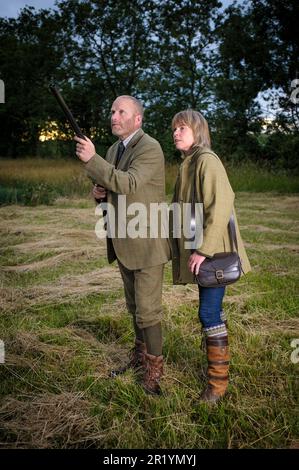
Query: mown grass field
[64,324]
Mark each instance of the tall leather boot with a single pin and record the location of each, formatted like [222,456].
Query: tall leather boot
[218,366]
[153,373]
[136,359]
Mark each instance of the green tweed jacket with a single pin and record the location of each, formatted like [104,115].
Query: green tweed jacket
[214,191]
[140,176]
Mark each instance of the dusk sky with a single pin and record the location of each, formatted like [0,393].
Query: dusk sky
[12,8]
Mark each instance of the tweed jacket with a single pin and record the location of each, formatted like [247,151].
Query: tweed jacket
[140,176]
[214,191]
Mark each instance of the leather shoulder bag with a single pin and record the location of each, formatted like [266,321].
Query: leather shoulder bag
[223,268]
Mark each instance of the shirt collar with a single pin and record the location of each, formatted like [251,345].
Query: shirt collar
[127,140]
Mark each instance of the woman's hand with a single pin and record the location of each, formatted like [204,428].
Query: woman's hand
[194,262]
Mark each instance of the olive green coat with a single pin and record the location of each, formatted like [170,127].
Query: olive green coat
[140,176]
[214,191]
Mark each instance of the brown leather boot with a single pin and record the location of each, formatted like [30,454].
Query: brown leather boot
[136,359]
[218,365]
[153,373]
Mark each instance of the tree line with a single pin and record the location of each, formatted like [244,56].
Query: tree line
[228,63]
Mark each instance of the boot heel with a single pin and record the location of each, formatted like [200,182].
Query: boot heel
[136,362]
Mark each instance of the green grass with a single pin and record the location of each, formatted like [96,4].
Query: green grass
[42,181]
[65,326]
[253,178]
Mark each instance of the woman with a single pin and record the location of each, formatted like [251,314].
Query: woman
[202,167]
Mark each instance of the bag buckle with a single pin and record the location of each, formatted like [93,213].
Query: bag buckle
[219,274]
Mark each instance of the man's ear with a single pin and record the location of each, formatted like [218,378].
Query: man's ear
[138,119]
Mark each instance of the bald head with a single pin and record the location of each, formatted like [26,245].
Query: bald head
[126,116]
[136,103]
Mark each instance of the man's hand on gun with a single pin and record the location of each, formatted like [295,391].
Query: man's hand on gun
[85,149]
[99,192]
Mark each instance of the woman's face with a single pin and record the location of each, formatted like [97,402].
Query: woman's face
[183,137]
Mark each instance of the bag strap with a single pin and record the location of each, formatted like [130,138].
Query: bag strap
[232,232]
[231,223]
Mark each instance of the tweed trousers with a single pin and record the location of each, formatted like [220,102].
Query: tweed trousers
[143,293]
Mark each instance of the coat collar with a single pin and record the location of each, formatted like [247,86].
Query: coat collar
[194,154]
[135,139]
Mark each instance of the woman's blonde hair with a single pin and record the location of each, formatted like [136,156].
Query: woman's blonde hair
[197,123]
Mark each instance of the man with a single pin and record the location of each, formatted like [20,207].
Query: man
[134,167]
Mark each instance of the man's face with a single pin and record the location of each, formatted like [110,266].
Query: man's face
[125,118]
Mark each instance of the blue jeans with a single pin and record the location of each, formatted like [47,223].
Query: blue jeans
[210,306]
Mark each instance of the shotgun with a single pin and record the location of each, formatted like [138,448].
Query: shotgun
[70,118]
[67,111]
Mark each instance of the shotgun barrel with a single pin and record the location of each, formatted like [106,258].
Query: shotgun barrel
[67,111]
